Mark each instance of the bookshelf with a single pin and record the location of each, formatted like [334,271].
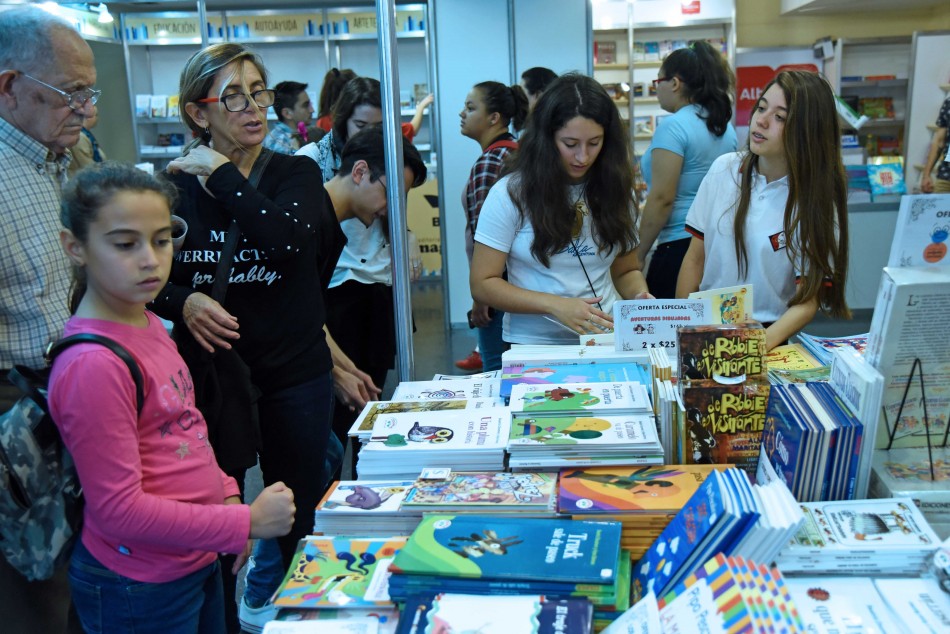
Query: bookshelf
[640,36]
[300,45]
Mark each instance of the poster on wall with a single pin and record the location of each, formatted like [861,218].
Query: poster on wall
[755,67]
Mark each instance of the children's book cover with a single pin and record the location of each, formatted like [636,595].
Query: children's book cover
[339,572]
[489,547]
[784,441]
[446,390]
[922,231]
[529,431]
[730,305]
[791,356]
[483,489]
[723,423]
[448,430]
[630,489]
[709,600]
[364,496]
[527,614]
[374,409]
[863,525]
[840,604]
[578,398]
[727,354]
[549,374]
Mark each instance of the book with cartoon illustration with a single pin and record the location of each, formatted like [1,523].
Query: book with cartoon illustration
[729,305]
[363,426]
[364,497]
[446,390]
[339,572]
[649,489]
[491,547]
[580,399]
[549,373]
[473,491]
[583,434]
[791,356]
[727,354]
[527,614]
[922,229]
[722,424]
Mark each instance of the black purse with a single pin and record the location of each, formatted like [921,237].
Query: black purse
[224,392]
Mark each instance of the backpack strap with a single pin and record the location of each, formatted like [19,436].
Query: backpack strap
[118,350]
[511,145]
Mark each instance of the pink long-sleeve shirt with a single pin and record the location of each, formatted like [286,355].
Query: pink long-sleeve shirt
[154,493]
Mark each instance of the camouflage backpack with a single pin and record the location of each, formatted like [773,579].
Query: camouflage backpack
[40,494]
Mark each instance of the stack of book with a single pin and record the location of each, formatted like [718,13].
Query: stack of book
[546,365]
[362,428]
[581,424]
[792,363]
[730,594]
[727,515]
[525,494]
[335,621]
[642,499]
[468,439]
[339,572]
[491,555]
[724,389]
[860,537]
[821,347]
[525,614]
[812,442]
[365,507]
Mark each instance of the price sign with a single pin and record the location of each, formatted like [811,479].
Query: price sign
[651,323]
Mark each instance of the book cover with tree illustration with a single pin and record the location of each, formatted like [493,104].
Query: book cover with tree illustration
[492,547]
[595,490]
[602,431]
[339,572]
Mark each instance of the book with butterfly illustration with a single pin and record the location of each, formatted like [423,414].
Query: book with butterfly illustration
[580,399]
[339,572]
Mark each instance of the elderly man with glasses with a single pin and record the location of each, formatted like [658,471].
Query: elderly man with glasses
[47,80]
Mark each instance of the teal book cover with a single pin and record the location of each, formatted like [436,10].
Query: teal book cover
[490,547]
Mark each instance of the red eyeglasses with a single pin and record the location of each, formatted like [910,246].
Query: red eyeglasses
[660,80]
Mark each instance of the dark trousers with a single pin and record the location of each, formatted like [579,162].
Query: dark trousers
[665,268]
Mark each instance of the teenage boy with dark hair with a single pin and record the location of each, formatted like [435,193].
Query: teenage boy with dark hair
[292,107]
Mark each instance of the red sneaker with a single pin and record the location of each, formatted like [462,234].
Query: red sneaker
[471,363]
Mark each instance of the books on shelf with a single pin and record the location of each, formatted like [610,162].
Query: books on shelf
[402,444]
[494,492]
[908,346]
[527,614]
[860,537]
[920,236]
[339,572]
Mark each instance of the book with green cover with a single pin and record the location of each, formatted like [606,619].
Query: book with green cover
[339,572]
[493,547]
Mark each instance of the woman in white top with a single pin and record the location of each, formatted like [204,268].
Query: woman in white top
[563,221]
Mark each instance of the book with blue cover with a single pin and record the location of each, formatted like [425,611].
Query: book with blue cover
[784,441]
[488,547]
[544,373]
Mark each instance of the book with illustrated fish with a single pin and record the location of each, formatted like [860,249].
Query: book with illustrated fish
[339,572]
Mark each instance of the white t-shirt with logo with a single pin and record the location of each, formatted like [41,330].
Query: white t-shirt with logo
[500,227]
[711,218]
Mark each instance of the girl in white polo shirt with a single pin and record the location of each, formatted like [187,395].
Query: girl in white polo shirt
[776,216]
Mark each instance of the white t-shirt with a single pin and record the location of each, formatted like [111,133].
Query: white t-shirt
[711,218]
[500,227]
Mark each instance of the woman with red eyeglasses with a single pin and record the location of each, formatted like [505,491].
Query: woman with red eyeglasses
[696,85]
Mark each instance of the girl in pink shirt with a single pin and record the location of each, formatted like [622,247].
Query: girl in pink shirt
[158,508]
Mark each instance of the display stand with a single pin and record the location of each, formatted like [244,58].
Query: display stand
[918,369]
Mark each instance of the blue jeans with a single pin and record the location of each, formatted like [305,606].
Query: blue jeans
[490,343]
[109,602]
[295,430]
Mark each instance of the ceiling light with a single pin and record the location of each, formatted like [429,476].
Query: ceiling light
[104,16]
